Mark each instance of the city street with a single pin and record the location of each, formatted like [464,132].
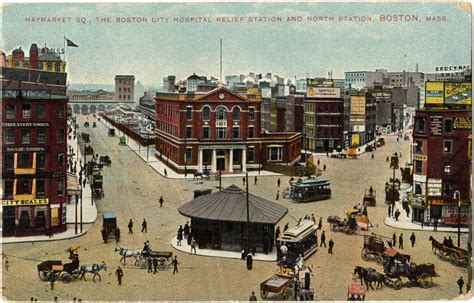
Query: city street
[132,189]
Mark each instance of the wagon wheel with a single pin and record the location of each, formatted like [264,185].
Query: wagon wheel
[263,293]
[66,277]
[333,227]
[143,263]
[425,281]
[75,273]
[397,284]
[285,293]
[454,260]
[381,259]
[365,254]
[44,275]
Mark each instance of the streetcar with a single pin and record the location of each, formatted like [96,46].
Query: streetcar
[299,240]
[310,190]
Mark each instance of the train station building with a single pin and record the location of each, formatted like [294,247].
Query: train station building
[216,131]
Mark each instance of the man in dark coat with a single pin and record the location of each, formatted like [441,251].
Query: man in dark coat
[331,245]
[278,182]
[130,226]
[323,240]
[394,242]
[400,241]
[175,264]
[460,284]
[119,274]
[412,239]
[253,297]
[150,264]
[186,230]
[249,261]
[161,201]
[144,225]
[155,265]
[179,236]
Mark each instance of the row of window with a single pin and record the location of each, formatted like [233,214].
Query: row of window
[57,66]
[125,90]
[221,113]
[25,160]
[26,110]
[26,135]
[124,97]
[420,125]
[220,131]
[24,187]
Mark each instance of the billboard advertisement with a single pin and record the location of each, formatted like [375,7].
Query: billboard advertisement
[323,92]
[357,105]
[458,93]
[434,93]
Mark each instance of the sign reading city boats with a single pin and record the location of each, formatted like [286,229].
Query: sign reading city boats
[434,92]
[25,202]
[458,93]
[323,92]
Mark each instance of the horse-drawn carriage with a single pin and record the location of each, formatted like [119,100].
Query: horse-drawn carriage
[392,191]
[66,272]
[164,259]
[97,184]
[122,141]
[447,251]
[205,175]
[369,197]
[109,226]
[375,246]
[105,160]
[380,142]
[354,219]
[111,132]
[280,283]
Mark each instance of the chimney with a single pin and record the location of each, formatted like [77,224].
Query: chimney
[34,56]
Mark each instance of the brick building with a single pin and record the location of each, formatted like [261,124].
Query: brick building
[220,131]
[124,88]
[34,142]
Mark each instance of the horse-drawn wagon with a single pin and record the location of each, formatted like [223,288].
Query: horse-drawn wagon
[109,226]
[447,251]
[354,219]
[65,272]
[374,246]
[105,160]
[97,184]
[369,197]
[281,283]
[164,259]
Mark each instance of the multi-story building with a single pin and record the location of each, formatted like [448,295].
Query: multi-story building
[411,81]
[362,79]
[441,154]
[34,150]
[361,118]
[217,131]
[89,95]
[124,88]
[45,59]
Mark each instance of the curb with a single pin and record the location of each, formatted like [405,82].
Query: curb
[46,240]
[428,228]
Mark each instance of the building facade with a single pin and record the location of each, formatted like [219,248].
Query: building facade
[124,88]
[34,151]
[361,118]
[217,131]
[45,59]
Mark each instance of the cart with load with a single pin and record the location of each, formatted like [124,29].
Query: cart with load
[65,272]
[374,247]
[281,283]
[97,185]
[370,197]
[353,221]
[109,225]
[105,160]
[164,259]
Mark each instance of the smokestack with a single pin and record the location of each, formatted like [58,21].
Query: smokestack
[416,67]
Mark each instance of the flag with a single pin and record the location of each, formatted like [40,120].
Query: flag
[70,43]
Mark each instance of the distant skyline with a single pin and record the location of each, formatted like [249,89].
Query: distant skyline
[153,50]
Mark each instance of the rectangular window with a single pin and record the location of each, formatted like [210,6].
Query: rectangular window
[221,132]
[40,161]
[25,161]
[189,132]
[448,146]
[9,159]
[418,166]
[251,114]
[26,111]
[189,113]
[250,134]
[61,186]
[419,147]
[25,136]
[41,111]
[275,153]
[61,160]
[420,125]
[61,111]
[447,168]
[9,136]
[251,154]
[10,111]
[40,188]
[41,136]
[8,188]
[206,133]
[189,155]
[60,135]
[235,132]
[448,125]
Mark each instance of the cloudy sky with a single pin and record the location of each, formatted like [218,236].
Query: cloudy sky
[153,50]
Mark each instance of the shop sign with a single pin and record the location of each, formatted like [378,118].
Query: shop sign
[452,218]
[420,157]
[418,202]
[419,178]
[25,202]
[462,123]
[434,187]
[26,149]
[440,201]
[323,92]
[436,126]
[25,124]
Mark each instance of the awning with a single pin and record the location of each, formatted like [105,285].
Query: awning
[73,187]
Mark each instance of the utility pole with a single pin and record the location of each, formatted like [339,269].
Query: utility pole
[248,214]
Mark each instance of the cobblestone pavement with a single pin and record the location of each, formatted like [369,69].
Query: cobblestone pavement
[132,190]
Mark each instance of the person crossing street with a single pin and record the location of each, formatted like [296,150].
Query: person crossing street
[119,274]
[412,239]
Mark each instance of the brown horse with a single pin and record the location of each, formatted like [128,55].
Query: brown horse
[369,275]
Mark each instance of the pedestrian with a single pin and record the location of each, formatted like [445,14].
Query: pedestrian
[397,214]
[278,182]
[166,173]
[179,236]
[161,201]
[193,246]
[144,224]
[243,181]
[277,232]
[400,241]
[255,181]
[155,265]
[175,264]
[318,162]
[119,274]
[52,280]
[394,238]
[435,228]
[149,262]
[320,223]
[278,195]
[460,284]
[249,261]
[186,230]
[372,156]
[130,226]
[331,245]
[55,299]
[313,218]
[323,240]
[253,297]
[389,210]
[7,263]
[412,239]
[388,159]
[324,167]
[117,235]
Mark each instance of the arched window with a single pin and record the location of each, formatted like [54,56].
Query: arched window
[206,113]
[236,114]
[221,113]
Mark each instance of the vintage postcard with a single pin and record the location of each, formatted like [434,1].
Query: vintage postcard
[236,151]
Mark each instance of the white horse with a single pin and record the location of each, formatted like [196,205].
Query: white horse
[93,269]
[128,253]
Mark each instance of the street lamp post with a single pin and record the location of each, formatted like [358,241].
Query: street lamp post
[457,195]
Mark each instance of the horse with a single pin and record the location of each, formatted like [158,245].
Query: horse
[93,269]
[197,175]
[127,253]
[369,275]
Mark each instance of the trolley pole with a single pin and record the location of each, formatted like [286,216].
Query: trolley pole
[75,214]
[81,211]
[248,214]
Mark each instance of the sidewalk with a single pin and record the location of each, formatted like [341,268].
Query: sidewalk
[68,234]
[160,167]
[405,222]
[222,253]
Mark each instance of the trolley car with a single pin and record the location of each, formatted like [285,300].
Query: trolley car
[300,240]
[310,190]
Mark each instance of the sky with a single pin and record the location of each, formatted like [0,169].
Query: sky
[153,50]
